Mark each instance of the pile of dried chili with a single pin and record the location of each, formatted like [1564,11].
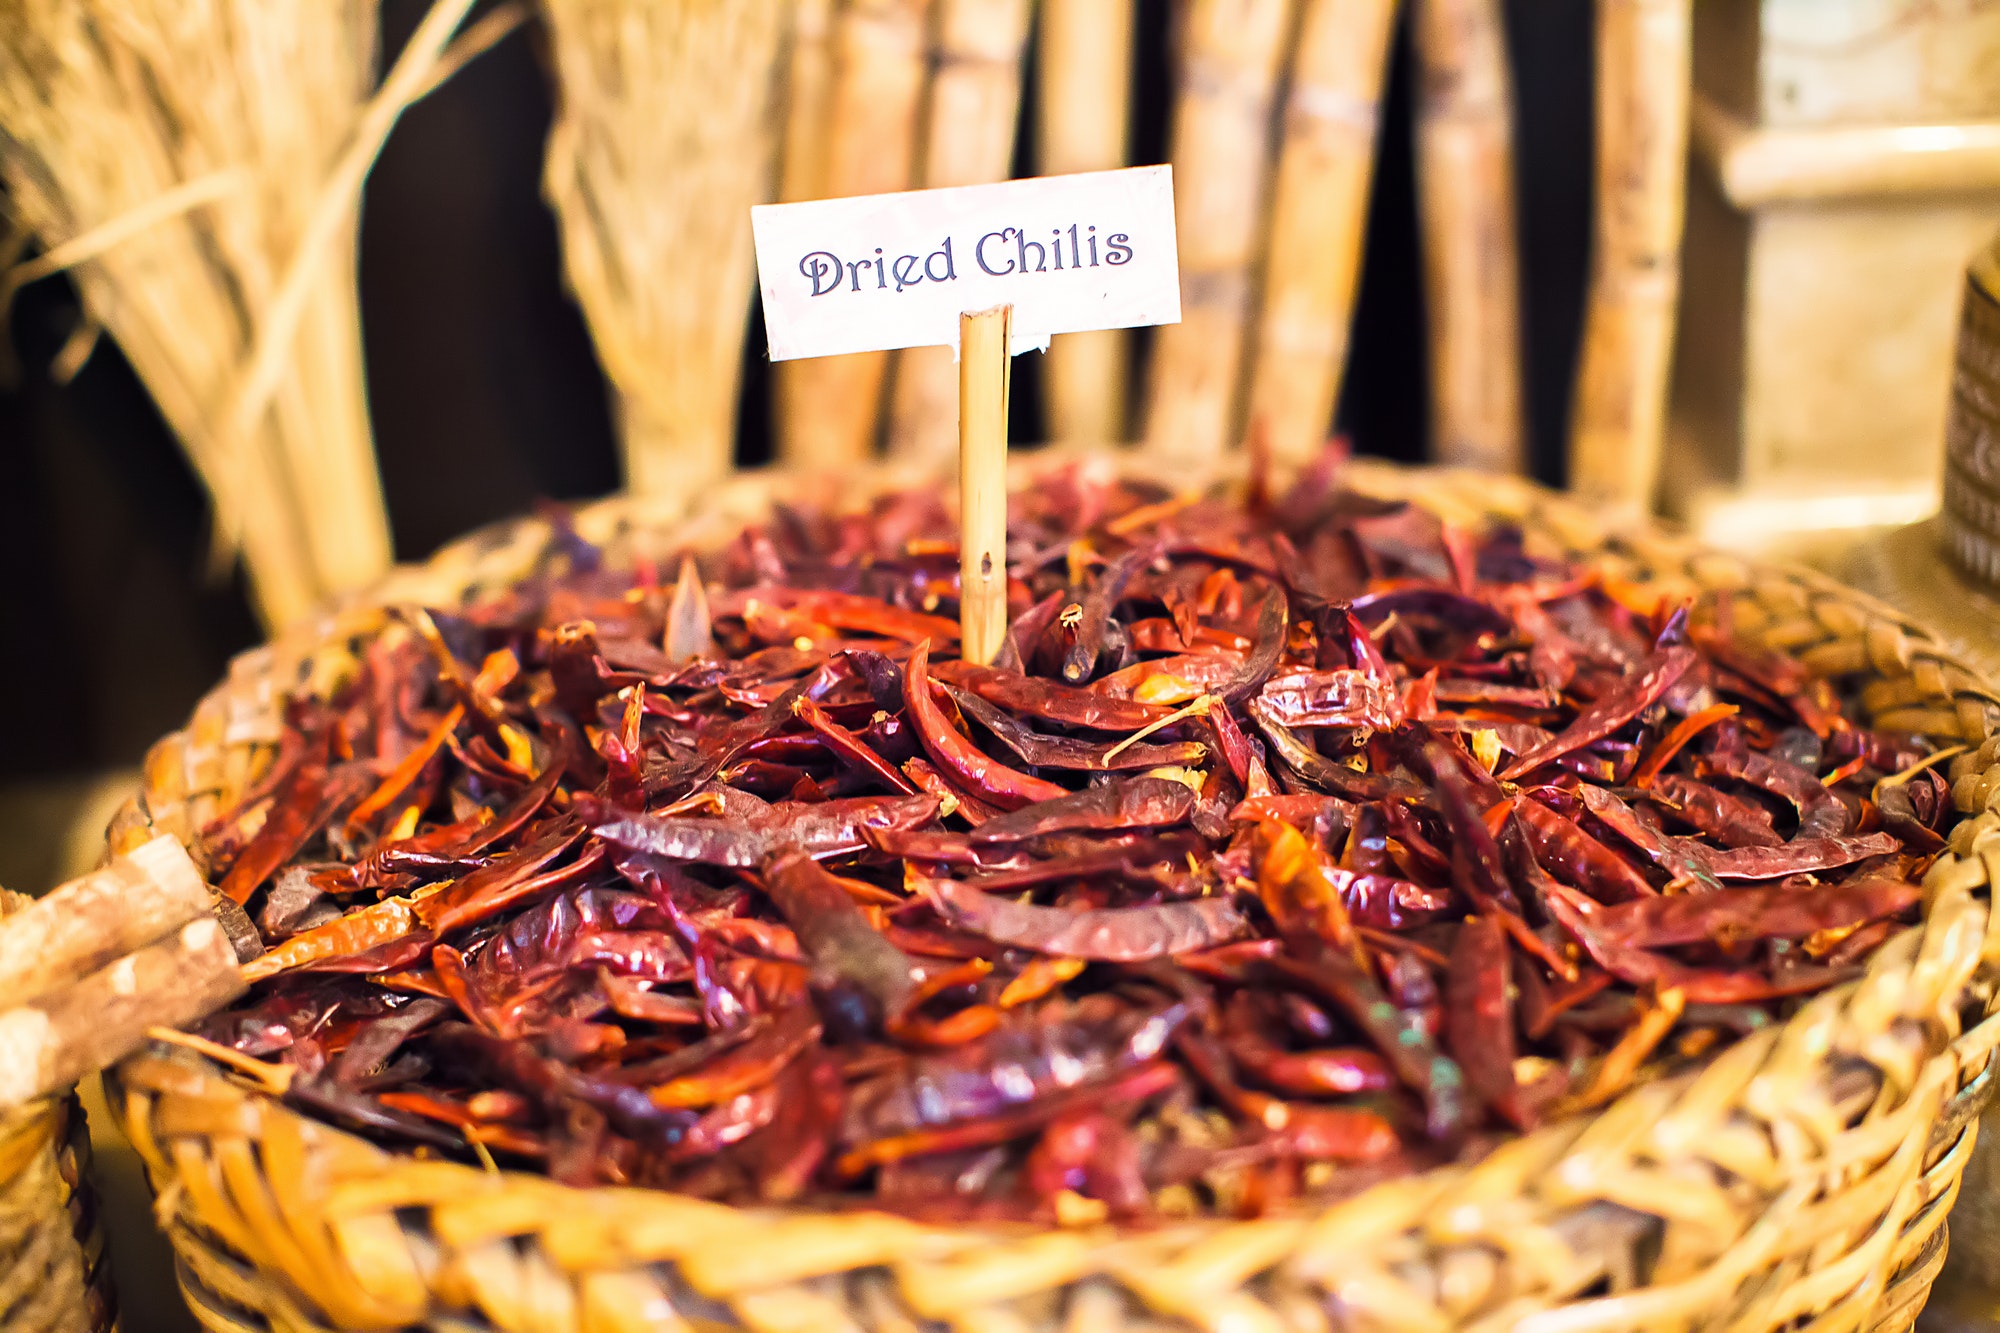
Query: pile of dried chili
[1294,840]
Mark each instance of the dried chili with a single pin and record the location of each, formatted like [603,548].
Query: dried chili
[1302,829]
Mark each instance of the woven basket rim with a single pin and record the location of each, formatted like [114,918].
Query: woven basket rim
[1583,534]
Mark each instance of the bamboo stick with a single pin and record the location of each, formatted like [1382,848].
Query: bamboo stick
[1465,192]
[99,917]
[1319,217]
[1083,117]
[1221,159]
[975,108]
[829,407]
[54,1040]
[665,137]
[1628,332]
[985,376]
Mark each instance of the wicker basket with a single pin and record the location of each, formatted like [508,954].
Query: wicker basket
[53,1275]
[1801,1177]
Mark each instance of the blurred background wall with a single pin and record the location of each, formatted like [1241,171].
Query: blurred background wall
[485,393]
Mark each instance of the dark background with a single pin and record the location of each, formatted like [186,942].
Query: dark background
[485,392]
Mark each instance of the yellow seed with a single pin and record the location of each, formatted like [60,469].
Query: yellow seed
[1074,1210]
[520,751]
[1166,689]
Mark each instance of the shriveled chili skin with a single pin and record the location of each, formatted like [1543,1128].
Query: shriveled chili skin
[1611,712]
[740,885]
[1479,1017]
[1754,913]
[987,777]
[1111,935]
[845,949]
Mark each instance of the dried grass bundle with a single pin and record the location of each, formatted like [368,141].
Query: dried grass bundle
[197,164]
[665,137]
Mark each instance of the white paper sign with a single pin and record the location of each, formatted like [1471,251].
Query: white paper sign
[874,272]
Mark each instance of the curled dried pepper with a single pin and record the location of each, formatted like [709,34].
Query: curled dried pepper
[1108,934]
[747,888]
[985,776]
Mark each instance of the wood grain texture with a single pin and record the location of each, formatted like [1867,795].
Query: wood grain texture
[829,408]
[1083,123]
[985,377]
[1221,157]
[1465,194]
[92,920]
[1629,318]
[49,1043]
[1319,217]
[969,129]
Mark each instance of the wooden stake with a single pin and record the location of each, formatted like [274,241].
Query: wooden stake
[975,106]
[1628,328]
[1084,105]
[1465,191]
[985,372]
[1319,214]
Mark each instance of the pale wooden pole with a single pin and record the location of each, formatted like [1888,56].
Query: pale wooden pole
[1084,111]
[1628,331]
[1319,215]
[975,108]
[1221,158]
[829,407]
[1465,194]
[808,94]
[985,372]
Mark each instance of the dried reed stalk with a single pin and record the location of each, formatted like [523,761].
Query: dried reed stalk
[975,107]
[1221,158]
[1465,192]
[1319,215]
[664,138]
[197,167]
[808,88]
[1628,333]
[1084,111]
[829,407]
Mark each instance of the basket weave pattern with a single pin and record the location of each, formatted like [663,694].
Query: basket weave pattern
[53,1277]
[1802,1175]
[53,1274]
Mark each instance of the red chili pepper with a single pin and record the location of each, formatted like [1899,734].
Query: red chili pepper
[1611,712]
[667,900]
[983,775]
[1676,740]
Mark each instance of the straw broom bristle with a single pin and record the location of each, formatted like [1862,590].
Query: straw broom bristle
[196,164]
[665,137]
